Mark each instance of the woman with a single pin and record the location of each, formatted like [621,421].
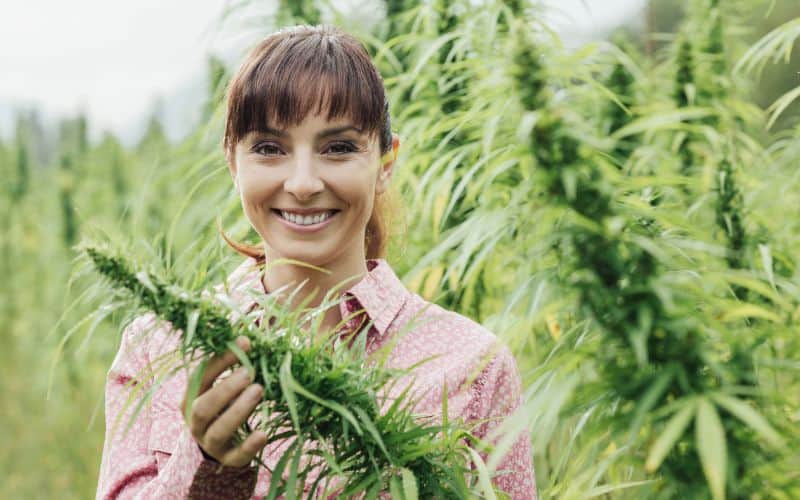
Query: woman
[311,153]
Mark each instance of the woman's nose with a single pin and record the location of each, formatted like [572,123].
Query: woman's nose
[303,181]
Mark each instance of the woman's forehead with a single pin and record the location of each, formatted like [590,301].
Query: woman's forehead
[316,123]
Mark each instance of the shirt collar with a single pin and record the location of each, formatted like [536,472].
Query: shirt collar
[380,293]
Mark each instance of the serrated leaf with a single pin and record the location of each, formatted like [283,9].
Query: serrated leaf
[760,287]
[193,388]
[605,489]
[749,416]
[750,311]
[145,280]
[277,472]
[409,485]
[483,475]
[674,120]
[370,427]
[779,106]
[711,447]
[191,326]
[669,436]
[242,357]
[648,401]
[766,261]
[569,179]
[432,281]
[292,483]
[395,489]
[439,204]
[285,377]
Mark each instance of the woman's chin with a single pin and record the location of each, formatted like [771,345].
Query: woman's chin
[311,253]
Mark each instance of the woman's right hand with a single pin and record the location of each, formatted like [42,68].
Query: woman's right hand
[220,409]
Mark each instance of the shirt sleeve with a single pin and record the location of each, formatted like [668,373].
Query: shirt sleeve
[141,463]
[498,395]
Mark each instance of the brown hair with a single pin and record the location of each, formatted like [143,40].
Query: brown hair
[295,69]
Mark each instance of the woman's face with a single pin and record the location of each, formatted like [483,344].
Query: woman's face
[309,190]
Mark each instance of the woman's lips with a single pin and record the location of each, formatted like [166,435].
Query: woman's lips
[305,228]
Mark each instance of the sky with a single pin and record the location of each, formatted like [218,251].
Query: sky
[112,59]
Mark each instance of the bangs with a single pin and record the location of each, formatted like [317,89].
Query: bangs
[315,70]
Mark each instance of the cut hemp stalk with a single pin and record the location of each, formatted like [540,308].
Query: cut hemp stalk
[316,393]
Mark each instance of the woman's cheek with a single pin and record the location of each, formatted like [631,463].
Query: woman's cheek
[249,213]
[254,205]
[256,189]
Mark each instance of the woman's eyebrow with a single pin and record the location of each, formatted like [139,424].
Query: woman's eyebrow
[337,130]
[325,133]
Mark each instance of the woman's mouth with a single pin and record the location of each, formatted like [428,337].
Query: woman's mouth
[305,223]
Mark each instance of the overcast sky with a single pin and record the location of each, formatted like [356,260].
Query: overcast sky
[112,58]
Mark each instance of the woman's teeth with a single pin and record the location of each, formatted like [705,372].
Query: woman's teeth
[306,220]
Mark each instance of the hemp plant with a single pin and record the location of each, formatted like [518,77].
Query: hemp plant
[66,196]
[704,73]
[320,396]
[657,368]
[683,94]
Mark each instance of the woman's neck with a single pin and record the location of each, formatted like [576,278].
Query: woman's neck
[344,273]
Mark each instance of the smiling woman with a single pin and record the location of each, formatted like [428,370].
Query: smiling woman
[311,153]
[296,73]
[309,190]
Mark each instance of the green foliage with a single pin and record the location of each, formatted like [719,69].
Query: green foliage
[325,393]
[299,11]
[627,222]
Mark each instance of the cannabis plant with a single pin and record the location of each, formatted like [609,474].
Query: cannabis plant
[327,396]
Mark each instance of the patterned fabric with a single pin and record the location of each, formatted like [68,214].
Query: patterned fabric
[158,458]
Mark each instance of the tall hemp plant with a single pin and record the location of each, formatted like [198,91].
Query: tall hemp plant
[705,81]
[433,83]
[489,251]
[659,367]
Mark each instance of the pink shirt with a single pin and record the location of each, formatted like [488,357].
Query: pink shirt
[158,458]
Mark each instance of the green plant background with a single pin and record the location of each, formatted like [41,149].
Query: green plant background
[624,215]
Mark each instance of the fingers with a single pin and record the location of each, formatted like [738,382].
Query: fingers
[221,406]
[216,365]
[219,363]
[207,406]
[217,438]
[244,453]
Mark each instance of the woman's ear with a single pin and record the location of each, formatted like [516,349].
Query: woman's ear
[387,166]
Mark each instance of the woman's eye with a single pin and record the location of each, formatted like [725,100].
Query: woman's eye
[339,148]
[266,149]
[335,148]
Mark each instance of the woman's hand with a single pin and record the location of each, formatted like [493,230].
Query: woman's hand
[220,409]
